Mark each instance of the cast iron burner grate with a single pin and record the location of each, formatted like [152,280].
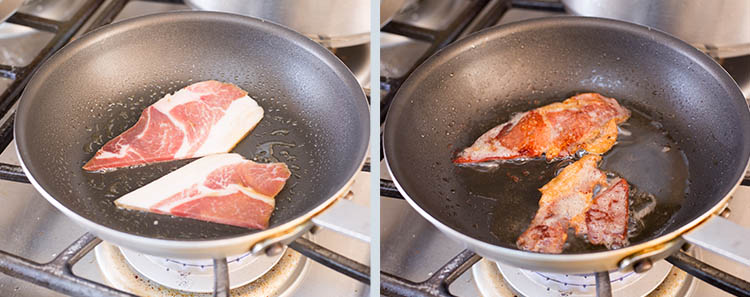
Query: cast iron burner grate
[478,15]
[57,274]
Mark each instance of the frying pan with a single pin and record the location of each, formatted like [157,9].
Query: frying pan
[479,82]
[95,88]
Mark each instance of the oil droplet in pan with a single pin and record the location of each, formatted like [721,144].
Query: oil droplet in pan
[641,205]
[265,151]
[282,132]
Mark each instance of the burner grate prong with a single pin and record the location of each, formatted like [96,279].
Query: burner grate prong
[411,31]
[436,285]
[603,285]
[32,21]
[75,251]
[221,278]
[387,189]
[10,72]
[57,274]
[710,274]
[332,259]
[479,13]
[12,173]
[555,6]
[63,33]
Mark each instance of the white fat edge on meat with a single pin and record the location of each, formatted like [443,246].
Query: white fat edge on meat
[241,117]
[208,192]
[484,148]
[177,181]
[121,153]
[165,106]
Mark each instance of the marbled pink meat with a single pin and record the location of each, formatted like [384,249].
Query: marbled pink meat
[223,188]
[204,118]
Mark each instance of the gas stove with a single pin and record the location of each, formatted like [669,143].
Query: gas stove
[36,231]
[413,250]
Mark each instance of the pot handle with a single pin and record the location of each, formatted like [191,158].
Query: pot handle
[347,218]
[722,237]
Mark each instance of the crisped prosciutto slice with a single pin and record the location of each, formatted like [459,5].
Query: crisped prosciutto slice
[583,122]
[607,218]
[567,203]
[204,118]
[223,188]
[564,202]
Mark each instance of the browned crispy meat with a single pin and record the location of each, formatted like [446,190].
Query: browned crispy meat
[567,203]
[583,122]
[564,202]
[607,218]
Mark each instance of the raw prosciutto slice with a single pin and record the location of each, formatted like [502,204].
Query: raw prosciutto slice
[204,118]
[564,202]
[607,218]
[222,188]
[583,122]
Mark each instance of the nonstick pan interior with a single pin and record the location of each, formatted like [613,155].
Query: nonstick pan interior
[95,88]
[478,83]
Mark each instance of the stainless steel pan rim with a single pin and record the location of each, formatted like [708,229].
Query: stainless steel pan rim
[660,247]
[191,249]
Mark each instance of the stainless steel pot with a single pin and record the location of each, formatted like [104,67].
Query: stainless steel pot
[720,28]
[332,23]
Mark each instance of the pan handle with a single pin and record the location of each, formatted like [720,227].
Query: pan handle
[722,237]
[347,218]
